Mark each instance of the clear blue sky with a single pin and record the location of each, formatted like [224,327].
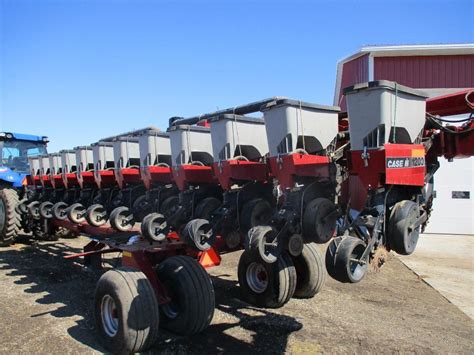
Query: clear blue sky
[81,70]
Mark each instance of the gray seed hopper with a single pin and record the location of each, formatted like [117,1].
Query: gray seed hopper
[293,125]
[384,112]
[238,136]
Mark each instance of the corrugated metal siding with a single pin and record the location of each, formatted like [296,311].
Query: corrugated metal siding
[442,71]
[354,72]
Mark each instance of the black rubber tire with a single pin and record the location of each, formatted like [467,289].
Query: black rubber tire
[92,215]
[59,211]
[330,258]
[310,272]
[141,207]
[136,309]
[319,220]
[206,207]
[256,212]
[400,239]
[349,248]
[45,209]
[192,232]
[116,219]
[281,277]
[154,227]
[73,213]
[192,295]
[169,206]
[11,219]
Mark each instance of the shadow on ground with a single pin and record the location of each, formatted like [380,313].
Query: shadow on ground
[40,267]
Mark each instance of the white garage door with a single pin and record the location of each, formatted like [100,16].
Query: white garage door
[453,210]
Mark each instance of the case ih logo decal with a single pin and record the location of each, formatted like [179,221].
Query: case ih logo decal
[408,162]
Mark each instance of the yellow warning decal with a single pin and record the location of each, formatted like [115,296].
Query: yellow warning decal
[127,254]
[418,153]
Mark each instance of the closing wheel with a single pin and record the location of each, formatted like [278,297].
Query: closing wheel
[198,234]
[256,212]
[346,262]
[266,285]
[122,219]
[154,227]
[76,213]
[310,271]
[319,220]
[45,209]
[402,231]
[10,219]
[96,215]
[331,256]
[206,207]
[33,209]
[169,206]
[141,207]
[262,240]
[126,311]
[59,210]
[192,296]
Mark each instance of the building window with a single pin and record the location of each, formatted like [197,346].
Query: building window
[461,194]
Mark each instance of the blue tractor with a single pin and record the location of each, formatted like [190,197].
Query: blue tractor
[15,149]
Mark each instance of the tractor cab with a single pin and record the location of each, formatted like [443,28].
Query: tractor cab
[15,149]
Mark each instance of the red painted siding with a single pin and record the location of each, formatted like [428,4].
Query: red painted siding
[442,71]
[353,72]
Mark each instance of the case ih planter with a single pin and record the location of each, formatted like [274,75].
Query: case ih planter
[240,151]
[199,192]
[157,177]
[127,174]
[393,156]
[380,186]
[302,140]
[70,182]
[40,203]
[75,212]
[34,166]
[98,211]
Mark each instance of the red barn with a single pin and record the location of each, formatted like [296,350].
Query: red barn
[436,70]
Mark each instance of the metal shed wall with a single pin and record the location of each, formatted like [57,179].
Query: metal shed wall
[439,71]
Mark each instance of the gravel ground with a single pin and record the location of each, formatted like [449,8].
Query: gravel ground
[46,308]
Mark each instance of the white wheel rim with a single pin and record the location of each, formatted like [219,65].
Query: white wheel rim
[257,277]
[109,315]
